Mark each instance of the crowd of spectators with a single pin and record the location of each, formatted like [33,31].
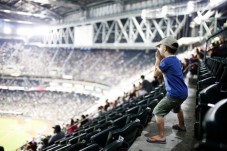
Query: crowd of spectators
[80,64]
[52,106]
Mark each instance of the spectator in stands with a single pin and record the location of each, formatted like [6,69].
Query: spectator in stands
[214,50]
[200,53]
[185,66]
[33,145]
[145,85]
[100,110]
[110,107]
[115,103]
[193,64]
[106,105]
[177,91]
[125,97]
[155,82]
[43,144]
[68,129]
[88,118]
[132,94]
[84,120]
[71,127]
[58,134]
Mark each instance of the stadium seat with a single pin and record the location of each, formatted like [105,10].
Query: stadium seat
[121,122]
[93,147]
[134,110]
[114,146]
[104,125]
[144,116]
[215,131]
[101,137]
[55,147]
[152,104]
[90,129]
[64,147]
[49,147]
[129,132]
[76,146]
[77,139]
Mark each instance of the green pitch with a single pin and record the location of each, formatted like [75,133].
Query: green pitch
[14,132]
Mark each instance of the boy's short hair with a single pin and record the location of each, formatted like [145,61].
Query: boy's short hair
[171,50]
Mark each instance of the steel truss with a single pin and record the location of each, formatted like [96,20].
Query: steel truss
[207,22]
[120,33]
[133,32]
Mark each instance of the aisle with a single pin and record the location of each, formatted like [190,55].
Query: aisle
[176,141]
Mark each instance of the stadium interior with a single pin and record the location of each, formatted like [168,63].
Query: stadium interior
[76,69]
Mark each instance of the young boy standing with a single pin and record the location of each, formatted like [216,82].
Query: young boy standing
[177,91]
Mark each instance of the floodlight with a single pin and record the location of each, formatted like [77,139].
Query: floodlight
[23,31]
[7,30]
[190,6]
[164,10]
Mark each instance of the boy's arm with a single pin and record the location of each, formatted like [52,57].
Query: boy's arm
[157,71]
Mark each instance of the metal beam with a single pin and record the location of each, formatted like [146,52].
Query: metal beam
[138,27]
[124,33]
[158,27]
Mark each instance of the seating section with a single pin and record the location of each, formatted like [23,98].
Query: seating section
[212,77]
[114,130]
[76,63]
[45,104]
[210,126]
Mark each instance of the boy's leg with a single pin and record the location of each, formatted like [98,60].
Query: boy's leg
[160,124]
[180,116]
[160,138]
[161,109]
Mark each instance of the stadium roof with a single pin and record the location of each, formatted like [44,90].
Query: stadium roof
[49,10]
[45,9]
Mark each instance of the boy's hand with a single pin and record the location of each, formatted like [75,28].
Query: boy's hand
[158,55]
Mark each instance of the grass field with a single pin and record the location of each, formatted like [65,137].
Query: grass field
[16,131]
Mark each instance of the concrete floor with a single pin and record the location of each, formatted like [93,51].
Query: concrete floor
[176,141]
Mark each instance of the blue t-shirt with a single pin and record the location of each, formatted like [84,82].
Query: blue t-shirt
[173,77]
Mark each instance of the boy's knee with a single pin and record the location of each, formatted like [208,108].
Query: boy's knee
[176,110]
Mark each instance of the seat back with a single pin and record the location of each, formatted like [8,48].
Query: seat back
[114,146]
[223,78]
[133,110]
[215,123]
[101,137]
[121,122]
[90,129]
[105,125]
[93,147]
[129,132]
[64,147]
[77,139]
[76,146]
